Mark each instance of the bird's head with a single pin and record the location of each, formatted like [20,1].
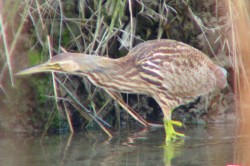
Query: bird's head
[66,63]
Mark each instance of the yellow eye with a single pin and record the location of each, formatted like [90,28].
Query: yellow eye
[55,66]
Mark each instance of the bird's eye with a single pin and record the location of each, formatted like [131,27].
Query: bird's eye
[58,66]
[55,66]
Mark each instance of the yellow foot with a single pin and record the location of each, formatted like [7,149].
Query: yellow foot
[171,134]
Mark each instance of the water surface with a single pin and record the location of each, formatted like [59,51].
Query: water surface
[206,145]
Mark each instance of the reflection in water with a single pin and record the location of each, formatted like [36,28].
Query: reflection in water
[211,145]
[172,150]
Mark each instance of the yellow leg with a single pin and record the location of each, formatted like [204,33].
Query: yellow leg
[171,134]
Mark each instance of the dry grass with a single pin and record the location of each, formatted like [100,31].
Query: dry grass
[239,12]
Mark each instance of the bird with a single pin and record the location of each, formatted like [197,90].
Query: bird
[171,72]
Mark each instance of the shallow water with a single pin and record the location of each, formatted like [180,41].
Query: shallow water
[206,145]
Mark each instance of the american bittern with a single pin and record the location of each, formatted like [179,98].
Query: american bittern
[171,72]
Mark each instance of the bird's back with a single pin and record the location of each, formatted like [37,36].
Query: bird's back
[177,70]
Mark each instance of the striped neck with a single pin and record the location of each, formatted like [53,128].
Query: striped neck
[117,75]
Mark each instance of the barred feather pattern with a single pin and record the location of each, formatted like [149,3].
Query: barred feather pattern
[171,72]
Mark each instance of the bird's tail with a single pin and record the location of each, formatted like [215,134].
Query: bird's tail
[221,77]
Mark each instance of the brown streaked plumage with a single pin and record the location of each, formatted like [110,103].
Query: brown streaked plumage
[171,72]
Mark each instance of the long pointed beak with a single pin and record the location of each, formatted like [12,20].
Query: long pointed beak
[36,69]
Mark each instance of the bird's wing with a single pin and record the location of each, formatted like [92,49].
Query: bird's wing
[176,67]
[187,76]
